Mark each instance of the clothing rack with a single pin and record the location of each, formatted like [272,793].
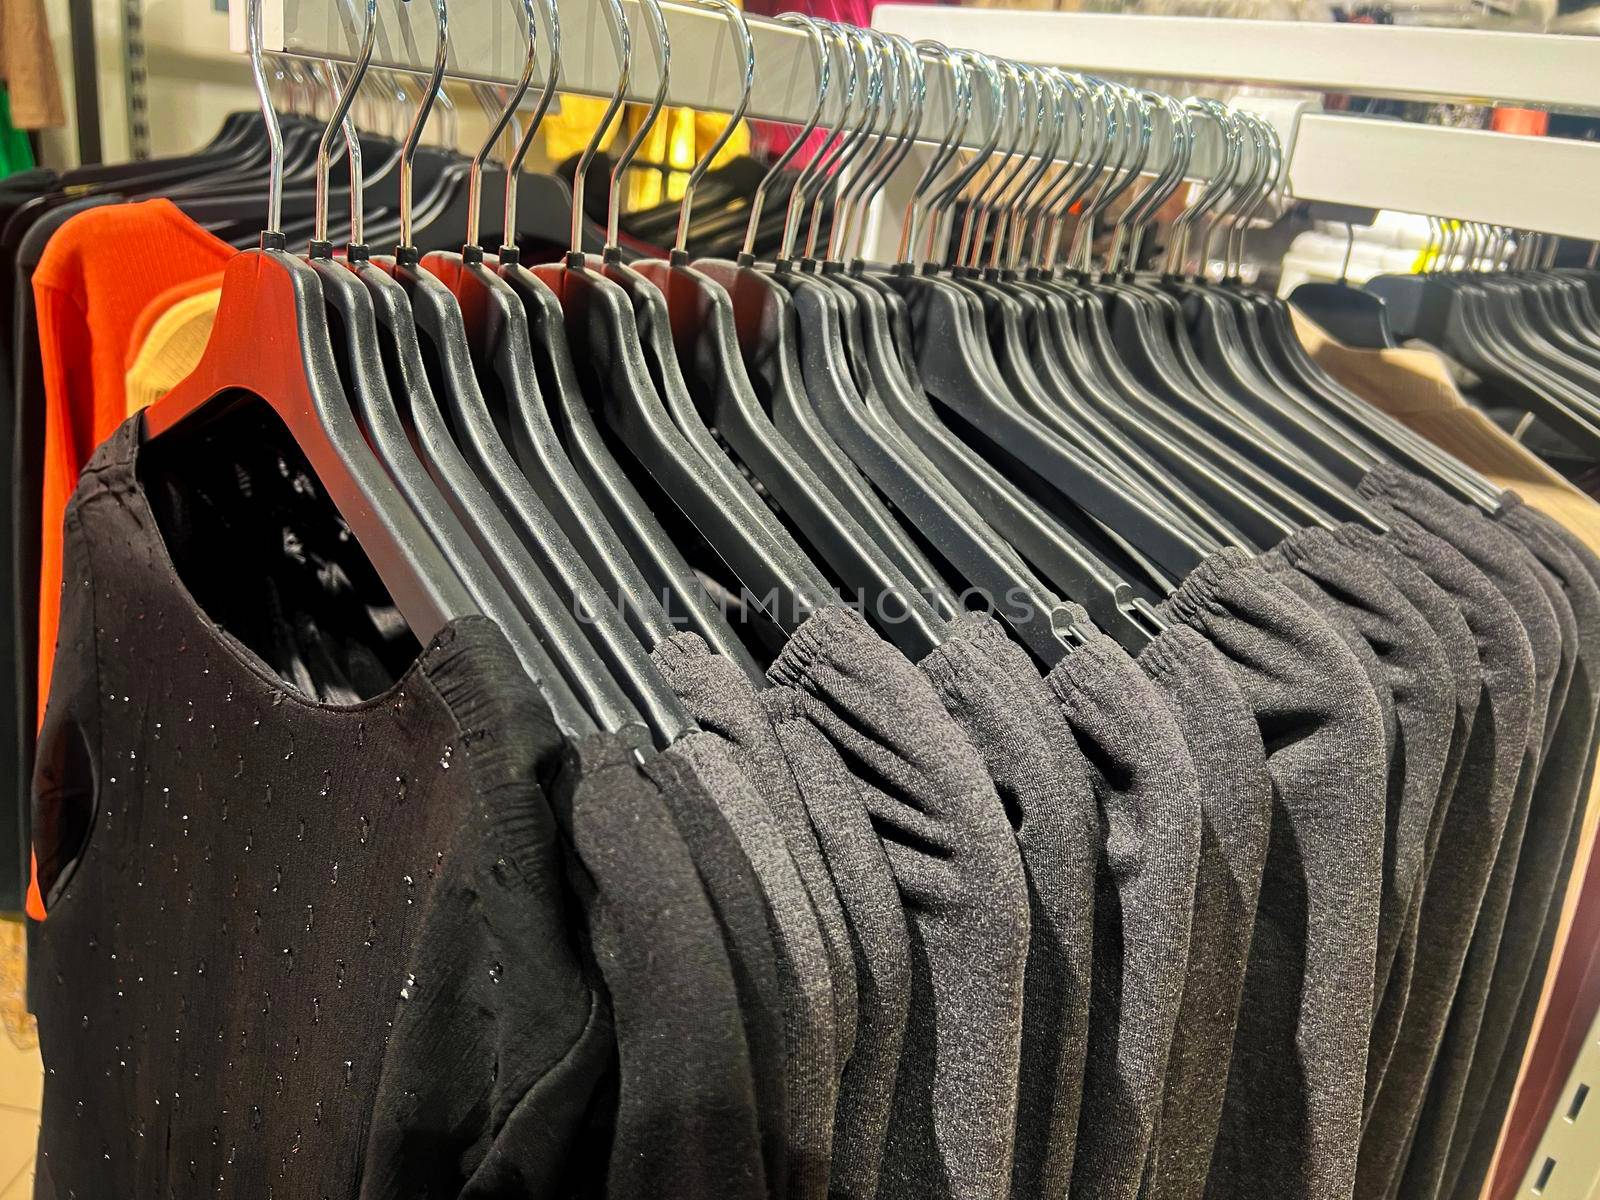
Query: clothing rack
[488,46]
[1363,162]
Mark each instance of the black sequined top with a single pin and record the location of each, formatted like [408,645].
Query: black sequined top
[308,934]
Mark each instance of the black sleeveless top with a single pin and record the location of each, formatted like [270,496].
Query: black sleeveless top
[307,931]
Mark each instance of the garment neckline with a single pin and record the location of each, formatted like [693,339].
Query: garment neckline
[260,673]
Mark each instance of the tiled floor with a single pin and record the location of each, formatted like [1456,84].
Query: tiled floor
[21,1076]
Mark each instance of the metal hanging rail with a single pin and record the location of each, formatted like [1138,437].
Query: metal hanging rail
[1528,70]
[1546,184]
[487,45]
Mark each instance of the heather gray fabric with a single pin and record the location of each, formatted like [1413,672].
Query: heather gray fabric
[880,943]
[1478,1160]
[1148,798]
[961,882]
[1335,617]
[1461,653]
[1546,850]
[803,1075]
[736,899]
[1235,814]
[1469,838]
[1292,1115]
[1518,576]
[1414,674]
[991,687]
[719,696]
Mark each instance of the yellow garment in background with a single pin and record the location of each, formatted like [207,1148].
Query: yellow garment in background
[678,138]
[176,340]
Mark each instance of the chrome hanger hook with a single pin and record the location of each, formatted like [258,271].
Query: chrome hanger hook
[547,95]
[661,44]
[624,45]
[1032,120]
[908,78]
[347,95]
[811,175]
[1272,182]
[1093,143]
[824,77]
[847,148]
[1018,215]
[498,127]
[960,117]
[747,50]
[352,144]
[880,174]
[946,196]
[1218,185]
[1131,225]
[1138,130]
[1246,185]
[408,151]
[1009,117]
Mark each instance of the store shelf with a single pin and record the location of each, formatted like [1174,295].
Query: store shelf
[1548,184]
[1403,62]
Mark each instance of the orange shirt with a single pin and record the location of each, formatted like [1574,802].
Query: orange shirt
[98,274]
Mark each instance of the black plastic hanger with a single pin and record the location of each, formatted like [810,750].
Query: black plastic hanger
[615,375]
[688,321]
[270,341]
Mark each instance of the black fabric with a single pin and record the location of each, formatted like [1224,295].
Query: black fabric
[1148,798]
[1292,1116]
[1562,785]
[1235,816]
[965,896]
[22,385]
[1469,838]
[990,686]
[293,946]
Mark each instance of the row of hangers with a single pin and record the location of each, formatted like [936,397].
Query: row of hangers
[587,450]
[1493,300]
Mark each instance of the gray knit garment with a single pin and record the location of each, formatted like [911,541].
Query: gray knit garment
[1414,675]
[1149,814]
[1235,814]
[1292,1116]
[1547,849]
[991,687]
[1517,575]
[719,696]
[960,875]
[835,803]
[1466,677]
[1478,1159]
[804,1074]
[1469,839]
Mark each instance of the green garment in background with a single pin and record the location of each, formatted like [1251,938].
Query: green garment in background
[16,152]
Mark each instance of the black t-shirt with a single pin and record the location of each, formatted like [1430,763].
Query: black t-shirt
[308,926]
